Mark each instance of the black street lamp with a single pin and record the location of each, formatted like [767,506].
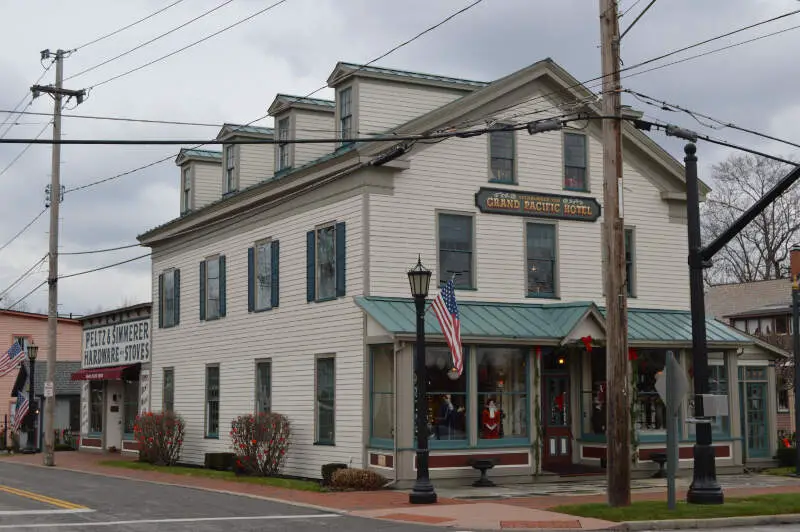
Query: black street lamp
[30,447]
[420,279]
[704,488]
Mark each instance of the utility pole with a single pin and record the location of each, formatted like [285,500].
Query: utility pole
[58,93]
[618,395]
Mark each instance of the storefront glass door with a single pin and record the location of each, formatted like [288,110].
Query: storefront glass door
[753,408]
[556,417]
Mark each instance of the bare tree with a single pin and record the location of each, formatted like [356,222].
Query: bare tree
[761,250]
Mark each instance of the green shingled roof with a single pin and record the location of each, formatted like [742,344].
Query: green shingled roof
[236,128]
[417,75]
[210,154]
[306,100]
[543,321]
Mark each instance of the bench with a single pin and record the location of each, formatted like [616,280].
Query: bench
[660,459]
[483,464]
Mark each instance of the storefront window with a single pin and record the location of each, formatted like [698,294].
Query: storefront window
[383,393]
[717,385]
[96,407]
[594,394]
[447,396]
[130,405]
[650,410]
[502,393]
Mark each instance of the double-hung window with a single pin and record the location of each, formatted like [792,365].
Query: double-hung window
[212,401]
[263,386]
[325,410]
[262,266]
[346,115]
[502,148]
[326,266]
[456,246]
[575,174]
[630,264]
[96,405]
[186,190]
[212,288]
[283,147]
[541,262]
[382,394]
[168,390]
[169,289]
[230,169]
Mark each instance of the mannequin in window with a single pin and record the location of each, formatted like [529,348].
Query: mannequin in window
[446,426]
[491,419]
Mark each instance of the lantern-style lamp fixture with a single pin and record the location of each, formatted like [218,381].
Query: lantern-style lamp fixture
[419,278]
[33,350]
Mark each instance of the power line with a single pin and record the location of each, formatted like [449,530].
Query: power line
[26,148]
[151,15]
[637,18]
[100,250]
[179,50]
[154,39]
[630,8]
[4,246]
[666,106]
[21,101]
[120,119]
[23,298]
[23,276]
[104,267]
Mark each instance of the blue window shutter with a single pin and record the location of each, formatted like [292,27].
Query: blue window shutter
[251,295]
[341,260]
[202,290]
[275,290]
[310,263]
[177,285]
[222,286]
[160,300]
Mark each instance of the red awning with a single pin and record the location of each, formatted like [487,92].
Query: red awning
[113,373]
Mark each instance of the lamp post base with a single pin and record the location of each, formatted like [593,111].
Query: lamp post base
[422,493]
[704,489]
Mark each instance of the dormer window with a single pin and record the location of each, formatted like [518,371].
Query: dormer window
[186,190]
[283,149]
[229,184]
[346,115]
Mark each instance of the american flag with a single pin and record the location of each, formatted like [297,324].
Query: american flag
[11,359]
[21,410]
[446,310]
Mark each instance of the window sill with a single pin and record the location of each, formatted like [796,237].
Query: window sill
[571,189]
[325,300]
[211,437]
[324,444]
[448,444]
[381,443]
[542,296]
[94,435]
[229,193]
[168,326]
[783,410]
[502,182]
[466,289]
[267,309]
[504,442]
[217,318]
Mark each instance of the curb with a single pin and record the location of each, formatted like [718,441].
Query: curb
[714,522]
[178,485]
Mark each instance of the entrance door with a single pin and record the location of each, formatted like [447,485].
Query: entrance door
[754,418]
[557,413]
[114,414]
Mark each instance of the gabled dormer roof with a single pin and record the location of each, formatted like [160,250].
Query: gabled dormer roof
[235,130]
[283,102]
[187,154]
[344,70]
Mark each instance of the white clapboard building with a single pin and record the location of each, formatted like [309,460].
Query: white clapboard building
[282,286]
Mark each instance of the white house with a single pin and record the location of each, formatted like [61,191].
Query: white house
[288,291]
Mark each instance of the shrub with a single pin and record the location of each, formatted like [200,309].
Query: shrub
[219,461]
[787,456]
[261,442]
[328,470]
[357,480]
[160,437]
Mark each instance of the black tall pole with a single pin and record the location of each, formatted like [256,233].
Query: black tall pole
[423,492]
[796,350]
[30,446]
[704,488]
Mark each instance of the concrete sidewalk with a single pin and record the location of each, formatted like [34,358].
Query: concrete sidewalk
[503,507]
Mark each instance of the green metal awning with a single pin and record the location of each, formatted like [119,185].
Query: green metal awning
[553,322]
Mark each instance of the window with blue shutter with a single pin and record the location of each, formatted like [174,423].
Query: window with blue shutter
[275,259]
[177,296]
[222,295]
[250,274]
[327,261]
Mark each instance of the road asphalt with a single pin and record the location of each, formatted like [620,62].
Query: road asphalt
[39,499]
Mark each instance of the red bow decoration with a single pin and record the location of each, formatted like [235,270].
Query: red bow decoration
[539,351]
[632,354]
[559,400]
[587,343]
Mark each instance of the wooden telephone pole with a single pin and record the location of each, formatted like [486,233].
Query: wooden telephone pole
[618,386]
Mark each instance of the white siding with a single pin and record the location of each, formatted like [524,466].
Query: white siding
[291,335]
[309,124]
[256,163]
[207,184]
[446,176]
[383,105]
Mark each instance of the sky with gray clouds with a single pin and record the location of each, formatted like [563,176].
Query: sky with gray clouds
[293,48]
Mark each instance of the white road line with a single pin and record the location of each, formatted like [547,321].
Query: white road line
[85,524]
[45,512]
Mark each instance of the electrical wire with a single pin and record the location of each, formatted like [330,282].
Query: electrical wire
[120,119]
[637,19]
[630,8]
[99,250]
[23,276]
[154,39]
[22,100]
[179,50]
[4,246]
[26,148]
[23,298]
[151,15]
[106,267]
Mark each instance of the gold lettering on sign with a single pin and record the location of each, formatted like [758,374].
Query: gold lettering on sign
[502,203]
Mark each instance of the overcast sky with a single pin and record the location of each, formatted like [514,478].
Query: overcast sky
[293,48]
